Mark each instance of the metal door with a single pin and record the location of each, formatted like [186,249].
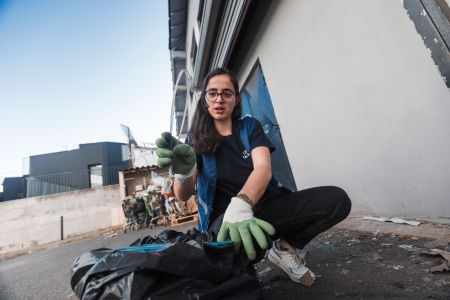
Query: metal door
[256,102]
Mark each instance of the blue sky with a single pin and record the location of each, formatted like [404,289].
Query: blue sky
[72,71]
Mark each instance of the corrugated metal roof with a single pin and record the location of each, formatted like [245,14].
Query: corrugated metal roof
[140,170]
[177,24]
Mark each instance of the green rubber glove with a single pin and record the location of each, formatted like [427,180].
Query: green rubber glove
[240,225]
[174,154]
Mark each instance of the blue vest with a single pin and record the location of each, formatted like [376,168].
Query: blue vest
[206,180]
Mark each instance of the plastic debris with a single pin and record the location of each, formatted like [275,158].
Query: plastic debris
[444,267]
[173,265]
[442,253]
[398,267]
[407,247]
[265,271]
[109,236]
[393,220]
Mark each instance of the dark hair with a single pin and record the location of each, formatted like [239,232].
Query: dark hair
[204,136]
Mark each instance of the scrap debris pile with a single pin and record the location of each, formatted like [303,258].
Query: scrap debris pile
[156,205]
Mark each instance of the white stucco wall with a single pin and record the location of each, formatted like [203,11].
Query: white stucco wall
[360,103]
[34,221]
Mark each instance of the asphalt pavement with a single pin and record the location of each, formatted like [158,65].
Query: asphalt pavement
[46,274]
[359,259]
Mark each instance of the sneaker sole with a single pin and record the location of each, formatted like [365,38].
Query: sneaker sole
[306,279]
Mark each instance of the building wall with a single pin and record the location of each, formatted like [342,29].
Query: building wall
[360,103]
[108,154]
[14,188]
[143,157]
[69,170]
[36,220]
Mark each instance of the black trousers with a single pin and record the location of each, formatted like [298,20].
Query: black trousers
[300,216]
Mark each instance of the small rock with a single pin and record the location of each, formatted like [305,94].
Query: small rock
[338,293]
[345,271]
[398,267]
[397,284]
[376,256]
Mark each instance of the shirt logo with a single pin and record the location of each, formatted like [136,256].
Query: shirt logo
[245,154]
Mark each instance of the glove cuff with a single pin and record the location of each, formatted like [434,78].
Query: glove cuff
[238,211]
[241,203]
[182,177]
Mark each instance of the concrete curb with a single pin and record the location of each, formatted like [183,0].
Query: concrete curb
[69,239]
[424,230]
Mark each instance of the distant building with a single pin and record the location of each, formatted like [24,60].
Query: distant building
[143,156]
[13,188]
[93,164]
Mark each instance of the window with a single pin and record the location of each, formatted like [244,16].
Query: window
[95,176]
[193,54]
[200,12]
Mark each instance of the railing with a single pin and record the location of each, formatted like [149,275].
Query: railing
[70,181]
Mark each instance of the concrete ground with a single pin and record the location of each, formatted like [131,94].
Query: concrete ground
[358,259]
[385,261]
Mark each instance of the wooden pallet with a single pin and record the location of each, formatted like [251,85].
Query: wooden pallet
[183,220]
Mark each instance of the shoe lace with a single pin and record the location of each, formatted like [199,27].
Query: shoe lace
[294,258]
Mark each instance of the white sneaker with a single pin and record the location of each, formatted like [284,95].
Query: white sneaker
[291,263]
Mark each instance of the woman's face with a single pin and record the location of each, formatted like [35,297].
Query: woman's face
[220,97]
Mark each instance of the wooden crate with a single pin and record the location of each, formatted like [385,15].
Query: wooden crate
[184,220]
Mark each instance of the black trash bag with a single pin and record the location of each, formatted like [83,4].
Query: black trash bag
[172,265]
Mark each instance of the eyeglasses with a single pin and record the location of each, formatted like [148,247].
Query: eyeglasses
[213,95]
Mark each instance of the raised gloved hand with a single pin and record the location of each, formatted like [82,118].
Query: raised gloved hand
[174,154]
[240,224]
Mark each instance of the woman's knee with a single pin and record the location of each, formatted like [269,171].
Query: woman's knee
[343,202]
[340,202]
